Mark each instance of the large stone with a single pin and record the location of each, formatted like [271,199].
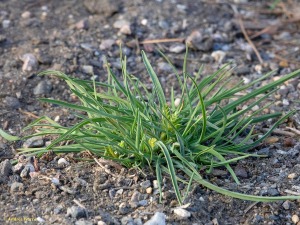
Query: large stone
[102,7]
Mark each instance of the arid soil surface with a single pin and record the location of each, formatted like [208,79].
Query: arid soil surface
[75,37]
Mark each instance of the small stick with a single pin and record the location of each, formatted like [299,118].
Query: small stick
[164,40]
[250,207]
[293,130]
[249,40]
[28,114]
[292,192]
[78,203]
[282,132]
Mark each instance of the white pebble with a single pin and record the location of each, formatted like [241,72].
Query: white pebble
[177,102]
[295,219]
[62,161]
[292,175]
[255,108]
[5,23]
[29,62]
[182,213]
[158,219]
[144,22]
[218,56]
[285,102]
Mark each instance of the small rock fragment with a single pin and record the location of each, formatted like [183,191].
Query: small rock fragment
[62,162]
[183,213]
[124,208]
[286,205]
[103,7]
[241,172]
[292,175]
[42,88]
[107,44]
[149,190]
[218,56]
[82,24]
[26,15]
[272,140]
[12,102]
[177,48]
[158,219]
[199,42]
[29,62]
[76,212]
[5,24]
[34,142]
[5,168]
[164,67]
[295,219]
[145,184]
[16,187]
[87,69]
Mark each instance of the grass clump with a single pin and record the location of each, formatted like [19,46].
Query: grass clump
[128,123]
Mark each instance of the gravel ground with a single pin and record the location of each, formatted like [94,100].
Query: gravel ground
[75,37]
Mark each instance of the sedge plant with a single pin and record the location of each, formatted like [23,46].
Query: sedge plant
[207,127]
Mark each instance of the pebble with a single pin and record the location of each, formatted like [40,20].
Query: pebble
[145,184]
[84,222]
[183,213]
[273,192]
[177,48]
[136,196]
[87,69]
[295,218]
[76,212]
[16,187]
[82,24]
[158,219]
[62,162]
[264,151]
[34,142]
[104,7]
[123,26]
[42,88]
[198,42]
[107,44]
[286,205]
[5,24]
[272,140]
[143,203]
[12,102]
[218,56]
[27,170]
[124,208]
[26,15]
[44,58]
[155,184]
[149,190]
[5,168]
[164,67]
[292,175]
[241,172]
[29,62]
[242,70]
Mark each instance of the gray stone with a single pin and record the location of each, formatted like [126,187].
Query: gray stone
[145,184]
[242,70]
[158,219]
[107,44]
[16,187]
[124,208]
[76,212]
[177,48]
[143,203]
[273,192]
[103,7]
[5,168]
[164,67]
[30,62]
[34,142]
[12,102]
[87,69]
[83,222]
[127,220]
[43,87]
[241,172]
